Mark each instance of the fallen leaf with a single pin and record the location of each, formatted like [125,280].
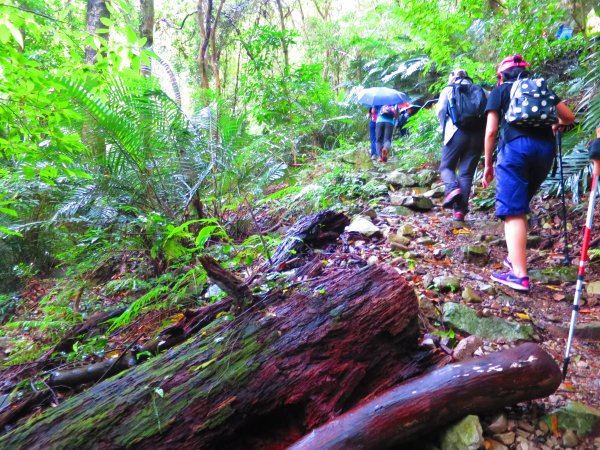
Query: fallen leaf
[461,231]
[559,297]
[554,425]
[523,316]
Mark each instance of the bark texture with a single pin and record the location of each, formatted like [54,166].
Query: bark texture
[282,367]
[440,398]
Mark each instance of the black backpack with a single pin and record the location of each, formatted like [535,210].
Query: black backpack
[466,106]
[532,104]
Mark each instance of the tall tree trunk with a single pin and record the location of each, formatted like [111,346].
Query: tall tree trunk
[147,28]
[284,43]
[96,10]
[205,24]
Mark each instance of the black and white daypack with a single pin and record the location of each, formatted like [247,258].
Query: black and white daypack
[466,105]
[532,104]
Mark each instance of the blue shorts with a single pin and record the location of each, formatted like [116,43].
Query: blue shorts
[523,164]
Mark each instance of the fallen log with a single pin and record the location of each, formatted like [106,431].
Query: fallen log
[257,381]
[438,398]
[308,232]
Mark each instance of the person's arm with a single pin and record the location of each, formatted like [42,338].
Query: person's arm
[565,117]
[491,130]
[442,106]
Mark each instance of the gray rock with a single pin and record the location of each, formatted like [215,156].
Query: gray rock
[398,239]
[498,424]
[406,230]
[475,253]
[464,435]
[554,275]
[400,179]
[533,241]
[435,192]
[428,309]
[489,328]
[470,296]
[414,202]
[465,349]
[593,288]
[569,439]
[363,226]
[370,213]
[507,438]
[446,283]
[425,240]
[396,211]
[576,416]
[425,177]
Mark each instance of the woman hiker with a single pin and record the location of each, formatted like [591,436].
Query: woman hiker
[461,151]
[525,156]
[372,116]
[384,129]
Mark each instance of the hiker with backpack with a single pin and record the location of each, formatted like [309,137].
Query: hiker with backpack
[384,128]
[528,113]
[461,112]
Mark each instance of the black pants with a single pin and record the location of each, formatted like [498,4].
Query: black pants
[462,153]
[383,133]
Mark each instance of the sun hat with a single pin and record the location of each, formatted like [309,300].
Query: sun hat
[456,74]
[509,62]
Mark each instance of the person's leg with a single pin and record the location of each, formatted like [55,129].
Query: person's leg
[467,164]
[372,135]
[451,153]
[387,137]
[379,137]
[515,233]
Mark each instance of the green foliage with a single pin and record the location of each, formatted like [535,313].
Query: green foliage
[423,144]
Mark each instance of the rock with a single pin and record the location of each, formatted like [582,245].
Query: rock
[543,426]
[498,424]
[370,213]
[437,192]
[466,347]
[425,240]
[489,328]
[395,211]
[363,226]
[588,331]
[475,253]
[446,283]
[593,288]
[213,291]
[372,260]
[470,296]
[569,438]
[428,309]
[398,239]
[399,179]
[581,418]
[464,435]
[507,438]
[414,202]
[406,230]
[554,275]
[425,177]
[491,444]
[487,289]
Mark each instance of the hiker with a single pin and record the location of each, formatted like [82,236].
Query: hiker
[595,154]
[372,116]
[526,150]
[462,146]
[384,129]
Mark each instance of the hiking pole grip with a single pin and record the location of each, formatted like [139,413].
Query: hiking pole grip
[567,259]
[587,235]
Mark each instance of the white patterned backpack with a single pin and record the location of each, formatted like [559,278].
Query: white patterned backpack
[532,104]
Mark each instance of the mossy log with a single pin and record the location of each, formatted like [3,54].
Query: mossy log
[438,398]
[260,380]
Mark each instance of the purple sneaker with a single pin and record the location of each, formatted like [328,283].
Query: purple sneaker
[507,264]
[511,280]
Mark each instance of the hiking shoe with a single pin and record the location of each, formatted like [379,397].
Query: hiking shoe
[450,197]
[507,264]
[458,216]
[511,280]
[384,154]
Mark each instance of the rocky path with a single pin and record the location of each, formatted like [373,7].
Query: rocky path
[449,264]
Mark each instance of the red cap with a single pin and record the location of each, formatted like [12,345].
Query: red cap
[511,61]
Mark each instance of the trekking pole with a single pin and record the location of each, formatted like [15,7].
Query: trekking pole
[587,234]
[567,259]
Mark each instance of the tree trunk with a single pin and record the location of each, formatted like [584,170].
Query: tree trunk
[261,380]
[147,29]
[96,10]
[439,398]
